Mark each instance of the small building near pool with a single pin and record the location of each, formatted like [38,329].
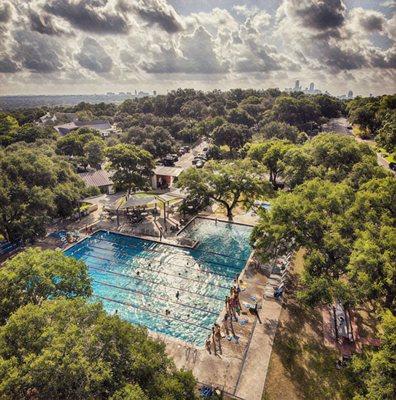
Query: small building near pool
[98,178]
[165,177]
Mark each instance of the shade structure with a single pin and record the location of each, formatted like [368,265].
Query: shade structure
[138,201]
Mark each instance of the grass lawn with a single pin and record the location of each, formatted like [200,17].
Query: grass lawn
[301,367]
[388,157]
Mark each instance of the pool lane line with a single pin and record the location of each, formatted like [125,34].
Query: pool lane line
[156,297]
[124,243]
[152,312]
[143,267]
[168,263]
[171,253]
[157,283]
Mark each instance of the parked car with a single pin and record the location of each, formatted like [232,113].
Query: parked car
[392,166]
[199,163]
[173,157]
[205,149]
[168,161]
[349,127]
[182,151]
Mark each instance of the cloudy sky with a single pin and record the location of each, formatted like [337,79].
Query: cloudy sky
[95,46]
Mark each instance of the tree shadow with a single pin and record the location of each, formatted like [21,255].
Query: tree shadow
[307,362]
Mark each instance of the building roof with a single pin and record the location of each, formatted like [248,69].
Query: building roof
[97,178]
[168,171]
[99,125]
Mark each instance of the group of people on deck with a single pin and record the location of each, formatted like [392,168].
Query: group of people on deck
[232,311]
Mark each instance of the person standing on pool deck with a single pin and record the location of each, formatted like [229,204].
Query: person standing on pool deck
[214,341]
[217,333]
[225,324]
[231,305]
[208,345]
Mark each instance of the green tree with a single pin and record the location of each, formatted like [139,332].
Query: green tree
[375,371]
[329,106]
[372,268]
[31,183]
[270,154]
[300,112]
[133,166]
[68,349]
[312,217]
[386,136]
[278,130]
[227,183]
[36,275]
[240,117]
[94,152]
[232,135]
[8,124]
[30,133]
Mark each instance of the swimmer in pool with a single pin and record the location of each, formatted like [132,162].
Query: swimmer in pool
[177,295]
[167,312]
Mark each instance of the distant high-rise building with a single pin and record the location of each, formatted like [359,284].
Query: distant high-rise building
[297,85]
[135,92]
[311,87]
[154,93]
[350,94]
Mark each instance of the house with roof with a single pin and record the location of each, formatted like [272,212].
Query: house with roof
[104,127]
[98,178]
[165,177]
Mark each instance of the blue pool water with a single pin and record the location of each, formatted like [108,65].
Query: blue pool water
[140,278]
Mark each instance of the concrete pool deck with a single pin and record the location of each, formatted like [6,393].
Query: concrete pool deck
[242,368]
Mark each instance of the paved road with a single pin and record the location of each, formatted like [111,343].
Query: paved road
[339,125]
[185,161]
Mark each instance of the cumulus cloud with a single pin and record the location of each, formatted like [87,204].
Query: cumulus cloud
[94,57]
[160,13]
[194,54]
[84,42]
[89,15]
[7,65]
[43,23]
[5,12]
[320,15]
[37,53]
[368,20]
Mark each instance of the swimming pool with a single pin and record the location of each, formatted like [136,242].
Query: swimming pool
[141,278]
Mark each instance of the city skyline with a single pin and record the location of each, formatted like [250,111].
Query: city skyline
[88,46]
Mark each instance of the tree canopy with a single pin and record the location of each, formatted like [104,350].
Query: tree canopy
[36,275]
[227,183]
[34,186]
[68,349]
[132,166]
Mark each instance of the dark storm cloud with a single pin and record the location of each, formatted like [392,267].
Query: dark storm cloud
[94,57]
[43,24]
[5,12]
[158,12]
[385,60]
[89,15]
[372,23]
[36,52]
[339,59]
[321,14]
[7,65]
